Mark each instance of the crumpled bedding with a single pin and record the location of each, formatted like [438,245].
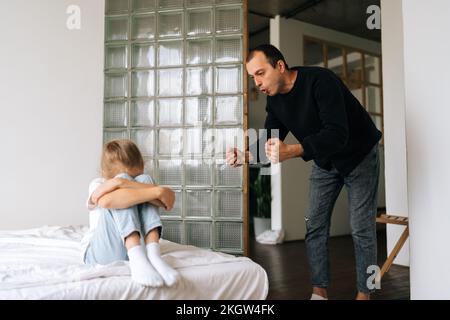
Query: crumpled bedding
[44,263]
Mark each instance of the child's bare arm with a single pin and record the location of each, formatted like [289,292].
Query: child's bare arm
[106,187]
[114,184]
[124,183]
[122,198]
[157,203]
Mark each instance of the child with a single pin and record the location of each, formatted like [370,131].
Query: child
[124,216]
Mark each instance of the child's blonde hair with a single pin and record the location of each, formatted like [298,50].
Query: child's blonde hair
[121,156]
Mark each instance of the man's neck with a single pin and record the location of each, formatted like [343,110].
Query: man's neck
[289,81]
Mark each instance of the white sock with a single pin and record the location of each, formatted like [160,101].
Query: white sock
[317,297]
[169,275]
[142,271]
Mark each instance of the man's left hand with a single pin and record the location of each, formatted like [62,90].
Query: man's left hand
[278,151]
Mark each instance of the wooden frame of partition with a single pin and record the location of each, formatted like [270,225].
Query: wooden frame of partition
[245,197]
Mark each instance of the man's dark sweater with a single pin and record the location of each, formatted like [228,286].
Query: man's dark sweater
[330,123]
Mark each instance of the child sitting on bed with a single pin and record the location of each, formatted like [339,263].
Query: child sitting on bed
[124,219]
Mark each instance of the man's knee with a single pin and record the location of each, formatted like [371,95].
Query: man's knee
[145,178]
[363,224]
[316,223]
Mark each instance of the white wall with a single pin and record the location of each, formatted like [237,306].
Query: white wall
[427,83]
[394,122]
[51,90]
[289,207]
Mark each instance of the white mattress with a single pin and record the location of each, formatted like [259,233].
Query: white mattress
[44,263]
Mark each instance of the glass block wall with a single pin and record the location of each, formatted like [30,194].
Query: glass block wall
[174,85]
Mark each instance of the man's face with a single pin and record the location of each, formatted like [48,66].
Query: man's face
[267,78]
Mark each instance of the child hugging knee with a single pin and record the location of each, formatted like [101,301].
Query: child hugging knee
[123,216]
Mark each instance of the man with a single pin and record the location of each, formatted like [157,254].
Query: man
[335,131]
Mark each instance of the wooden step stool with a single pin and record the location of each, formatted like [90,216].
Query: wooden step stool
[385,218]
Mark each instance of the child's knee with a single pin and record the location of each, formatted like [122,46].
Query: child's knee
[145,178]
[124,175]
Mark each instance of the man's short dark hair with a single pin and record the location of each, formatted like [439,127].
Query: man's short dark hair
[271,52]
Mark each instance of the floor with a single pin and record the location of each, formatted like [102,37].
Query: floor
[288,273]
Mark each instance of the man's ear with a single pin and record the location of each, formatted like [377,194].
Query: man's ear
[281,66]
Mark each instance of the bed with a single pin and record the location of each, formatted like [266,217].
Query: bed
[44,263]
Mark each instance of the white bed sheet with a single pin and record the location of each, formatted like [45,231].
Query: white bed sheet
[44,263]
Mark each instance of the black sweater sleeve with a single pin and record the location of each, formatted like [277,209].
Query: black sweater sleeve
[272,122]
[334,134]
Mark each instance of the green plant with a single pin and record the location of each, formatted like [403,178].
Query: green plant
[262,191]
